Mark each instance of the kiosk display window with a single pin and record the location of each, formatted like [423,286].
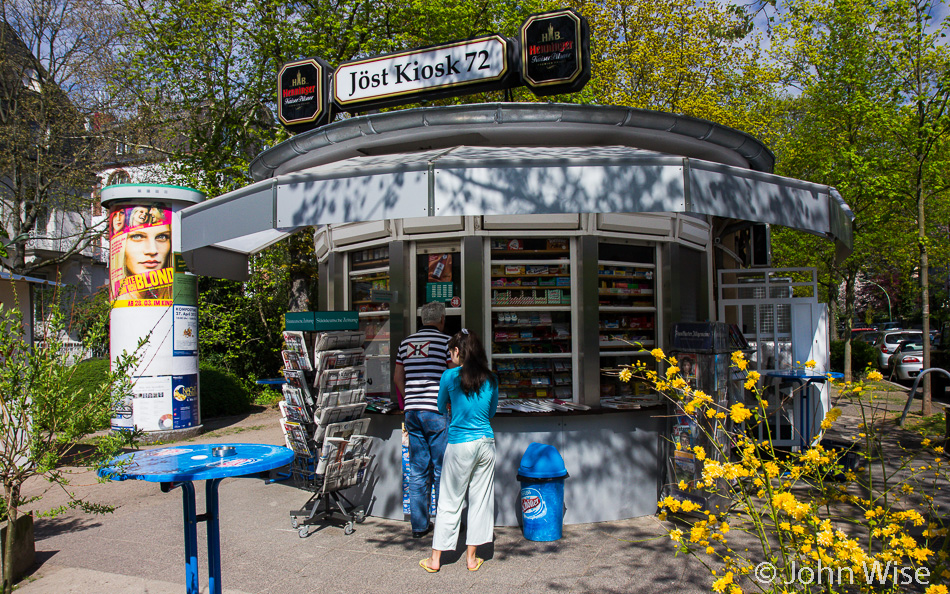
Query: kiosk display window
[626,294]
[530,294]
[370,296]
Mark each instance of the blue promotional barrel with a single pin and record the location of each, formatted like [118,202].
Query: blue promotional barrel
[542,475]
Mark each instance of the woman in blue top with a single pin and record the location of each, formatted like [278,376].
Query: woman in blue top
[470,391]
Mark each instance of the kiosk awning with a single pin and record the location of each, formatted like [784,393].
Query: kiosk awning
[218,235]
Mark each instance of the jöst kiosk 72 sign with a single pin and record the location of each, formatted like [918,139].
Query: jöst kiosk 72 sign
[397,78]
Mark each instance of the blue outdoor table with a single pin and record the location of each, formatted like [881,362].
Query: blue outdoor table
[180,466]
[806,379]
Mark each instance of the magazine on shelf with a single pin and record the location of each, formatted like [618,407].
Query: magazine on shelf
[297,379]
[293,396]
[329,341]
[296,361]
[337,359]
[296,438]
[295,343]
[293,412]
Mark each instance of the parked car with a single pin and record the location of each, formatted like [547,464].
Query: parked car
[868,337]
[907,360]
[887,343]
[886,326]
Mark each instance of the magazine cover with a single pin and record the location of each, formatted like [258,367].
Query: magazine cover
[293,413]
[292,395]
[684,468]
[297,379]
[296,438]
[295,343]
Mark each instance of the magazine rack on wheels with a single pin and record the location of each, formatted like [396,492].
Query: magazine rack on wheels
[323,424]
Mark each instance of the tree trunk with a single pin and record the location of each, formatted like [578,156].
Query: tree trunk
[925,404]
[11,494]
[849,299]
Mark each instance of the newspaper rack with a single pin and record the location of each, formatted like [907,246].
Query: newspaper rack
[324,425]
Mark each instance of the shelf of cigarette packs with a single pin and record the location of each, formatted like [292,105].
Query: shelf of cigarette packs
[530,298]
[322,411]
[370,297]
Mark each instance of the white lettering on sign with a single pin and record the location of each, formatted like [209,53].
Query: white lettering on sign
[475,61]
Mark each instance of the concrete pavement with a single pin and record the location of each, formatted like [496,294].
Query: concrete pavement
[138,549]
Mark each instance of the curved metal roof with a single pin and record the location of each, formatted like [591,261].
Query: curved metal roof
[514,125]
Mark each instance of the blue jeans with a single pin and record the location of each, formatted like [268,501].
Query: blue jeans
[428,434]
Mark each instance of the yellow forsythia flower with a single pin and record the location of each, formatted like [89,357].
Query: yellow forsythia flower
[810,364]
[751,380]
[936,589]
[722,583]
[699,452]
[657,354]
[676,535]
[740,413]
[625,375]
[876,376]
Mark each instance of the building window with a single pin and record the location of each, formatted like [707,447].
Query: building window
[119,177]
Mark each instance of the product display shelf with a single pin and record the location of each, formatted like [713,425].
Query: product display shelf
[324,424]
[626,295]
[369,296]
[531,338]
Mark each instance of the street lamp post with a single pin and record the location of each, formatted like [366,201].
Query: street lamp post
[890,318]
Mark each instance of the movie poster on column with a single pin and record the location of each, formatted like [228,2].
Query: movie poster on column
[140,251]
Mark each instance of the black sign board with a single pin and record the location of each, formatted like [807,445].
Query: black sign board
[302,89]
[555,52]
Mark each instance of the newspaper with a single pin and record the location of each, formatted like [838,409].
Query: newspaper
[337,414]
[328,341]
[336,359]
[337,380]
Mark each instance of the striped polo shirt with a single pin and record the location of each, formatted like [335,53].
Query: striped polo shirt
[424,356]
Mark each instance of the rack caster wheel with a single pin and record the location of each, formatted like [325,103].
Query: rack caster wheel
[294,523]
[360,516]
[349,529]
[304,532]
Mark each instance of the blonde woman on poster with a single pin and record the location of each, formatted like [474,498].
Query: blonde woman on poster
[145,256]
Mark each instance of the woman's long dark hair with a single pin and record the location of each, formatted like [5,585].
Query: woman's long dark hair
[475,370]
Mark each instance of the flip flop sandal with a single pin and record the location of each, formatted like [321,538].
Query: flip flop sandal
[478,564]
[424,564]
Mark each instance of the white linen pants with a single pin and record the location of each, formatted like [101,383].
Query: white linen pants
[468,466]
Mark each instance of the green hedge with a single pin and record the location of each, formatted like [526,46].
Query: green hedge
[222,393]
[88,375]
[862,356]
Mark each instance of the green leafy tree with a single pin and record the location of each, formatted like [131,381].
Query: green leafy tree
[43,418]
[682,57]
[914,48]
[835,133]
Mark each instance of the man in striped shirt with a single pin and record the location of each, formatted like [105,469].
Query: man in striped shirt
[421,359]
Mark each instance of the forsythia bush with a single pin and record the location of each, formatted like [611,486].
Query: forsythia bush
[799,521]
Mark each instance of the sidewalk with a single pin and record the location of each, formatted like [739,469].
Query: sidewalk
[138,549]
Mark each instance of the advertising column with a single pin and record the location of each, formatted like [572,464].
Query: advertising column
[154,298]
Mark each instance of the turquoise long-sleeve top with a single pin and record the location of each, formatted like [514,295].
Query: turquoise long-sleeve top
[470,412]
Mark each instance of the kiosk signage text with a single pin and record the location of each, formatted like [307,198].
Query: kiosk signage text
[404,75]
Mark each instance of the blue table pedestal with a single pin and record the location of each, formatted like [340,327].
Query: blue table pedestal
[191,520]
